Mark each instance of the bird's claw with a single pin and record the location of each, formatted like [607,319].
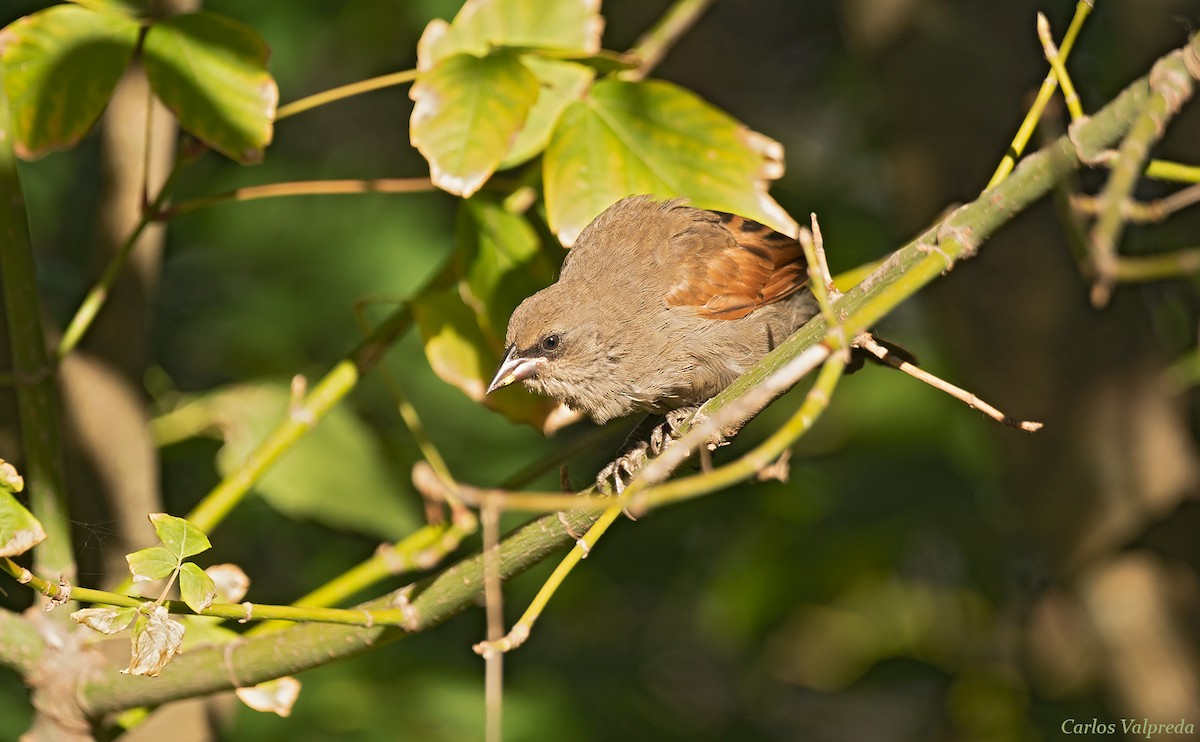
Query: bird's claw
[616,475]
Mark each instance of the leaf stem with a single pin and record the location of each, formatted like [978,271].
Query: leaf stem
[299,188]
[345,91]
[658,40]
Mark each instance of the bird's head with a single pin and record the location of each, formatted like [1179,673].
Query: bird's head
[555,348]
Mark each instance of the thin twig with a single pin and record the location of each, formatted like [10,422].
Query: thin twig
[1173,171]
[1169,90]
[521,629]
[758,458]
[1143,268]
[344,91]
[1143,212]
[1083,9]
[1058,65]
[299,188]
[819,281]
[868,343]
[654,44]
[327,392]
[494,605]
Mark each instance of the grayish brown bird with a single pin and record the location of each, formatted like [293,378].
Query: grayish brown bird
[659,306]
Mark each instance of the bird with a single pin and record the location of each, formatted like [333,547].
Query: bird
[658,306]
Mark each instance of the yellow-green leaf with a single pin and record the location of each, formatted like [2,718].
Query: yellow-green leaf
[151,563]
[460,353]
[210,70]
[125,7]
[181,537]
[482,25]
[655,137]
[504,263]
[559,84]
[466,116]
[196,588]
[59,67]
[19,530]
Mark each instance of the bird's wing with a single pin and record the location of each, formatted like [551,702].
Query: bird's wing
[729,266]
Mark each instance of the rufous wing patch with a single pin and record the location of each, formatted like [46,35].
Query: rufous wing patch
[731,266]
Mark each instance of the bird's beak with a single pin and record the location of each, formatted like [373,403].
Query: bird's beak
[514,368]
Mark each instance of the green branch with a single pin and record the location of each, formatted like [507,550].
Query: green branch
[328,391]
[249,661]
[36,393]
[433,600]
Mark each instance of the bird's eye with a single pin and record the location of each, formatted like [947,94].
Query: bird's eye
[550,343]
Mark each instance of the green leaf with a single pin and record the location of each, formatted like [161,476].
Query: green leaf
[466,116]
[134,8]
[456,348]
[559,84]
[195,587]
[60,66]
[180,536]
[482,25]
[504,263]
[19,530]
[151,563]
[211,72]
[337,474]
[105,620]
[460,353]
[655,137]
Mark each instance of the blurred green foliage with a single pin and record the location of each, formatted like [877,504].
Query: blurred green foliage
[885,591]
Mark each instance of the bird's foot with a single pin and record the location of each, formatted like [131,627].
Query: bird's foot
[616,474]
[670,429]
[640,447]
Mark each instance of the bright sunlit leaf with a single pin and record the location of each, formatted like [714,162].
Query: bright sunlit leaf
[182,538]
[211,71]
[196,588]
[60,66]
[655,137]
[125,7]
[559,84]
[19,530]
[151,563]
[482,25]
[466,116]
